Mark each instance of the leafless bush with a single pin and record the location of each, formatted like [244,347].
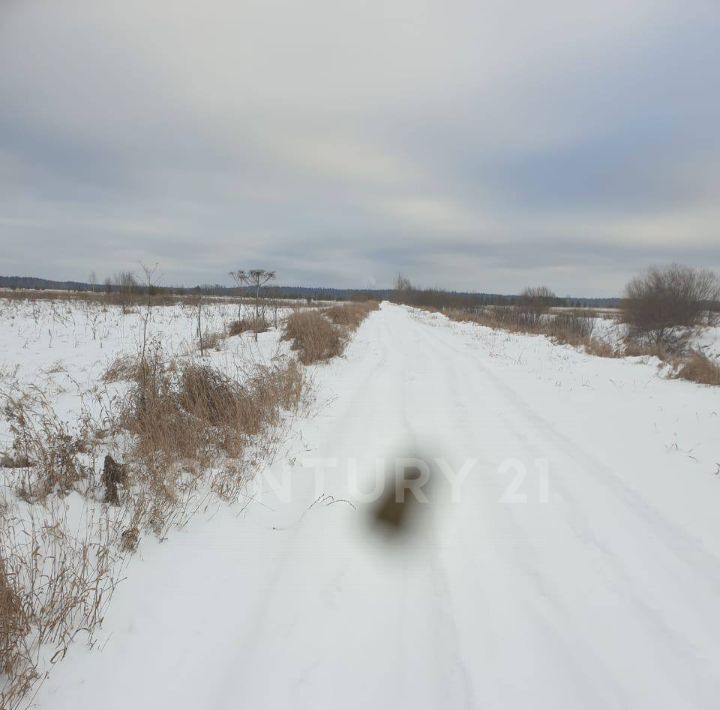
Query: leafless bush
[314,337]
[661,304]
[533,304]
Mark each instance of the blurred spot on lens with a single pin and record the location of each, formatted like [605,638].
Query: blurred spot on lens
[404,496]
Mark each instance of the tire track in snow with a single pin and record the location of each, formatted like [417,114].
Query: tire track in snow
[638,516]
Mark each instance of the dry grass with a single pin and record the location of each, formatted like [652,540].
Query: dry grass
[576,329]
[56,579]
[637,348]
[600,348]
[122,368]
[211,340]
[567,328]
[248,325]
[182,433]
[9,461]
[196,418]
[314,337]
[699,368]
[13,625]
[52,451]
[351,315]
[318,336]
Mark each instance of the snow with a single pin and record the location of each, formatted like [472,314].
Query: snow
[63,347]
[705,339]
[569,556]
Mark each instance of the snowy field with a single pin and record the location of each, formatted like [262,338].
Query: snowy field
[64,347]
[568,555]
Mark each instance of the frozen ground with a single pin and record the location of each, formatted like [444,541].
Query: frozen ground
[575,563]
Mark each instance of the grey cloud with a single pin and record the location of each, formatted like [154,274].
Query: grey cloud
[484,147]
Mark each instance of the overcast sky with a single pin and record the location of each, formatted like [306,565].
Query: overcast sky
[482,145]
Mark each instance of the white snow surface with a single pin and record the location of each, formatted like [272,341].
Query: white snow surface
[593,585]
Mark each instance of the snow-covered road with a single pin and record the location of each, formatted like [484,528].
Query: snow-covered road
[574,564]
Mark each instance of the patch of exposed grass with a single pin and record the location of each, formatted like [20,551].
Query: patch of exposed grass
[352,314]
[13,624]
[318,336]
[122,368]
[248,325]
[51,450]
[698,367]
[314,337]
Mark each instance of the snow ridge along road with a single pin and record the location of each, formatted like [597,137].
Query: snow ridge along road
[578,567]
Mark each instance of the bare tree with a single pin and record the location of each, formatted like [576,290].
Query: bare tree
[255,279]
[663,301]
[404,290]
[125,281]
[402,283]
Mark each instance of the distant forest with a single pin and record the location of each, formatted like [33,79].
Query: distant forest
[454,298]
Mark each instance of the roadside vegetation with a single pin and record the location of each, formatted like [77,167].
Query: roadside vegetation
[164,434]
[320,335]
[662,311]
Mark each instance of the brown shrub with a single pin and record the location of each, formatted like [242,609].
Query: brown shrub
[208,394]
[198,418]
[600,348]
[352,314]
[319,336]
[636,348]
[314,337]
[251,325]
[569,328]
[152,412]
[699,368]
